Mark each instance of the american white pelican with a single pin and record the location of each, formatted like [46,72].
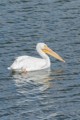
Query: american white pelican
[28,63]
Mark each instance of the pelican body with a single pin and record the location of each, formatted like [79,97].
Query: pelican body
[28,63]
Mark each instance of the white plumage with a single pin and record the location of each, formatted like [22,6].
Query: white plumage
[28,63]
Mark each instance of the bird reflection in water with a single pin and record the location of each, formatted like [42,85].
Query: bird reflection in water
[39,78]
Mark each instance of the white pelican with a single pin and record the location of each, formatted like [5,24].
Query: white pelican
[28,63]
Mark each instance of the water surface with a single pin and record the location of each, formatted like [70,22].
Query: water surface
[41,95]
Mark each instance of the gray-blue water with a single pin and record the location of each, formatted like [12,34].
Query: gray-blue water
[40,95]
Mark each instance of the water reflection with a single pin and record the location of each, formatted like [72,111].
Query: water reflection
[38,78]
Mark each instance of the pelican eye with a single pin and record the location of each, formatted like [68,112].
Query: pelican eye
[45,46]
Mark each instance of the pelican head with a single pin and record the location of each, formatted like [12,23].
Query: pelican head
[43,49]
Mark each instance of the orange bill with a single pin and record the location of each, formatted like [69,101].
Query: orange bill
[52,53]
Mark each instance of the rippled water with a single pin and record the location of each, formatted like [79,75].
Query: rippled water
[41,95]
